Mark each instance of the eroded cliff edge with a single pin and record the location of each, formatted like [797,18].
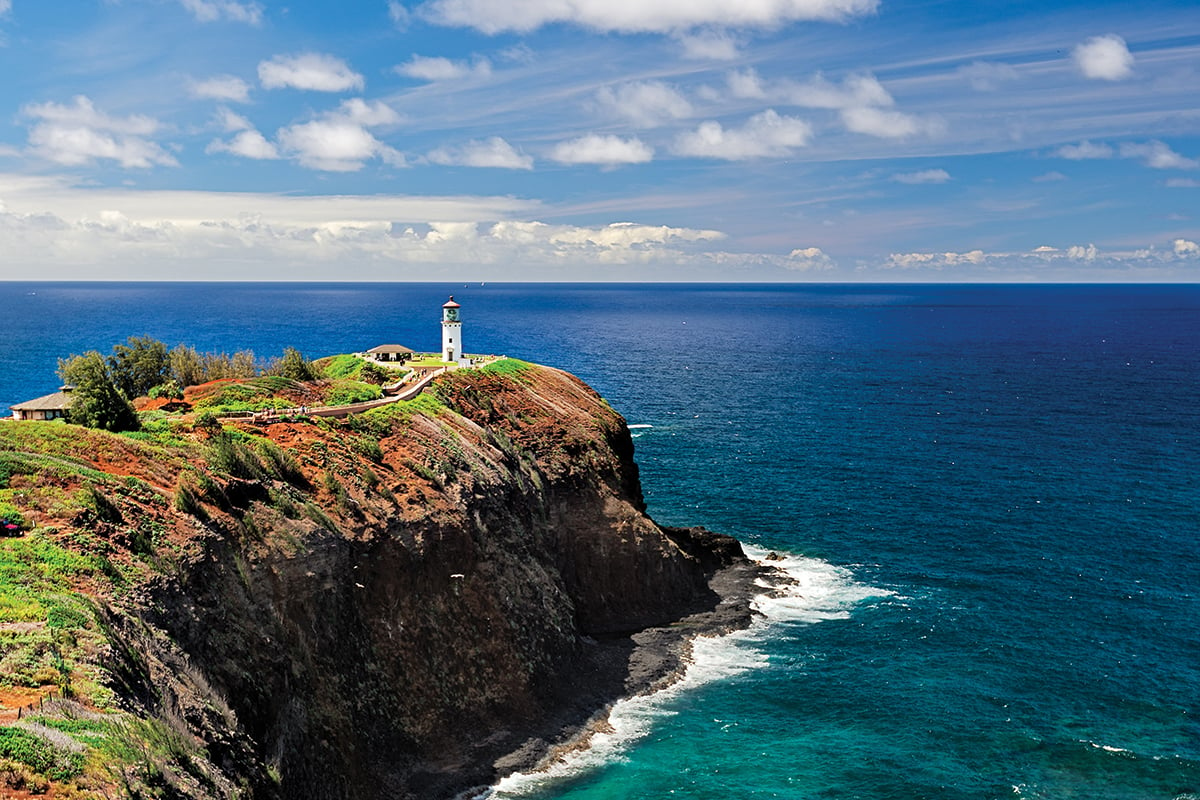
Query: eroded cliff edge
[408,602]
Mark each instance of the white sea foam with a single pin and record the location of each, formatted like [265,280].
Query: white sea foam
[639,425]
[807,591]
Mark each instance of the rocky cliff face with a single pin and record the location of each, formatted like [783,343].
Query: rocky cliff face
[396,604]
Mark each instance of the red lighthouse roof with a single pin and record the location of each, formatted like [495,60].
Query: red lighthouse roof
[451,304]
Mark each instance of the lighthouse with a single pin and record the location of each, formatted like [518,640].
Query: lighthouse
[452,349]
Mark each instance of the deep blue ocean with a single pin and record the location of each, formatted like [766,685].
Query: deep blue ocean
[990,497]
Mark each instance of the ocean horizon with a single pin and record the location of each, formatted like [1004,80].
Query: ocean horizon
[988,496]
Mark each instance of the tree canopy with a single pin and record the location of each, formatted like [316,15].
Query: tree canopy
[96,401]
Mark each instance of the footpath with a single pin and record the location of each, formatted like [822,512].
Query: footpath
[406,393]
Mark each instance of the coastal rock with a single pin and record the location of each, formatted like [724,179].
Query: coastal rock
[440,595]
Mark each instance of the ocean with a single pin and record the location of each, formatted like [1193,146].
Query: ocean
[988,495]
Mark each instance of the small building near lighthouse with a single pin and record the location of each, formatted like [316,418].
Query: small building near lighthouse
[452,346]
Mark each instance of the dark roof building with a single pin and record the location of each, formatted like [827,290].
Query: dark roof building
[52,406]
[390,352]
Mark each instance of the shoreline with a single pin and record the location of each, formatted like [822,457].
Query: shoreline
[646,662]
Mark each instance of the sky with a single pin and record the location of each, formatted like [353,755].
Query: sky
[600,140]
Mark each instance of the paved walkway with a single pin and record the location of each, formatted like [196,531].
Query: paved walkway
[407,393]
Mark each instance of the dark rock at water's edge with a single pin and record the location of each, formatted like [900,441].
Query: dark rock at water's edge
[425,621]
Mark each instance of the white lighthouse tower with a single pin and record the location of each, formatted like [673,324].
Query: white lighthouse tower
[452,349]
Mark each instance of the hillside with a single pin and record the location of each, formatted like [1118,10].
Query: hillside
[404,603]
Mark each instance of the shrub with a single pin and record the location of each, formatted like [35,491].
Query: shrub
[232,457]
[346,392]
[188,496]
[280,464]
[34,751]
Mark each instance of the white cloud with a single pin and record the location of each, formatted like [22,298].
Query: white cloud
[493,152]
[1183,183]
[247,144]
[223,87]
[808,259]
[856,91]
[645,103]
[1104,58]
[1083,151]
[1157,155]
[923,176]
[934,260]
[398,14]
[1049,177]
[661,16]
[1081,253]
[709,45]
[437,68]
[764,135]
[334,145]
[312,71]
[230,122]
[881,123]
[746,84]
[370,115]
[213,10]
[78,134]
[1186,249]
[986,76]
[606,150]
[5,6]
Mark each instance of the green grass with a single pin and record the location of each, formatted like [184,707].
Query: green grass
[345,392]
[512,367]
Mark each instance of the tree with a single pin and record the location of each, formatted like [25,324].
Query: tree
[96,402]
[139,366]
[295,366]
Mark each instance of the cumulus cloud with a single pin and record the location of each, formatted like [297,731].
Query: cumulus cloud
[339,141]
[214,10]
[1157,155]
[663,16]
[1104,58]
[881,123]
[316,72]
[923,176]
[1080,252]
[934,260]
[709,45]
[222,87]
[606,150]
[1183,248]
[493,152]
[764,135]
[78,134]
[987,76]
[862,103]
[808,259]
[437,68]
[1083,151]
[645,103]
[247,144]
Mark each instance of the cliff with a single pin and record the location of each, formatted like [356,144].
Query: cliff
[404,603]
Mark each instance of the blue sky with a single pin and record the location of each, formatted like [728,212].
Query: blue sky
[758,140]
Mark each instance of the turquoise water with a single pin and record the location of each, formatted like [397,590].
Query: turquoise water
[991,495]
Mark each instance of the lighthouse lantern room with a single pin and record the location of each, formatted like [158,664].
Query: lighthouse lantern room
[452,349]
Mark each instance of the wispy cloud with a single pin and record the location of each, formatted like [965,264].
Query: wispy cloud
[923,176]
[437,68]
[1083,151]
[1104,58]
[222,87]
[316,72]
[497,16]
[214,10]
[493,152]
[984,76]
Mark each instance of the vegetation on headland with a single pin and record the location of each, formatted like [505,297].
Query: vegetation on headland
[95,513]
